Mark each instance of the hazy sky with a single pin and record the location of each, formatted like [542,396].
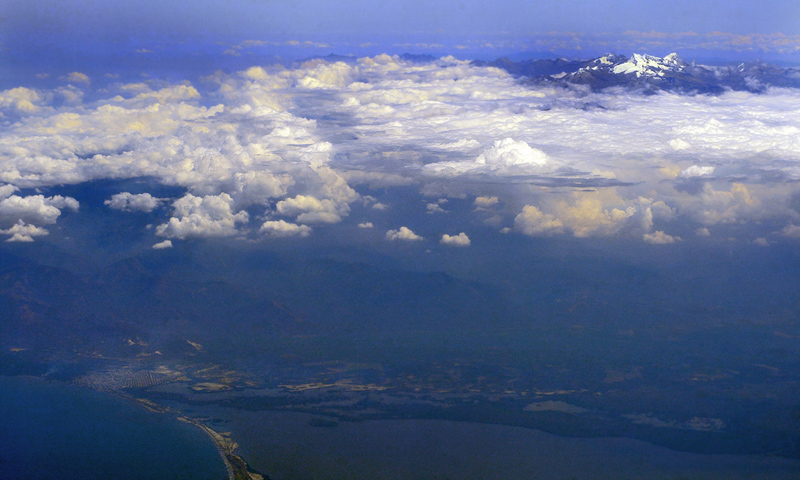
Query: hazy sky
[87,24]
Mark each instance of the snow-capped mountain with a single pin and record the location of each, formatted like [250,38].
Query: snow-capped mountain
[649,66]
[651,74]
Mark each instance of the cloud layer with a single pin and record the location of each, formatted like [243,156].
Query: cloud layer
[271,152]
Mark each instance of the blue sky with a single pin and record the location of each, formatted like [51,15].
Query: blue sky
[347,26]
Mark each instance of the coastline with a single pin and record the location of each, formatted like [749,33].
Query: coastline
[433,448]
[236,466]
[57,429]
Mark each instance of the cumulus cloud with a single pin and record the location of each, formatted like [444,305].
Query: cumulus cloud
[309,209]
[660,238]
[504,157]
[366,225]
[485,203]
[586,214]
[78,77]
[22,232]
[697,171]
[719,206]
[163,245]
[254,155]
[35,209]
[142,202]
[207,216]
[7,190]
[21,101]
[254,188]
[531,221]
[661,210]
[445,127]
[403,233]
[460,240]
[434,208]
[761,242]
[281,228]
[508,152]
[791,231]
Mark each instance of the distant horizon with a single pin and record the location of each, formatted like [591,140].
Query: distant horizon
[769,47]
[21,68]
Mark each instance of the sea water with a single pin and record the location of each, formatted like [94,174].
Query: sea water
[59,431]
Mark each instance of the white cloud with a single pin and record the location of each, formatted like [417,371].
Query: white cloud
[63,202]
[586,214]
[21,101]
[7,190]
[445,127]
[509,152]
[78,77]
[594,213]
[485,202]
[661,210]
[253,188]
[309,209]
[142,202]
[531,221]
[504,157]
[403,233]
[22,232]
[163,245]
[791,231]
[460,240]
[366,225]
[660,238]
[208,216]
[718,206]
[281,228]
[697,171]
[35,209]
[435,208]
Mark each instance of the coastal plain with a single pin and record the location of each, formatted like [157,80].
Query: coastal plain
[335,377]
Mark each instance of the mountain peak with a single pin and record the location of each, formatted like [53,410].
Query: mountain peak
[643,65]
[650,74]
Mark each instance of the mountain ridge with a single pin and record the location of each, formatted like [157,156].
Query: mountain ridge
[651,74]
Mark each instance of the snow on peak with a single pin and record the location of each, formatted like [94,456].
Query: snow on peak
[609,59]
[649,66]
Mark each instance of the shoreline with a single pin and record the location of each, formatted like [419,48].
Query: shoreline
[237,467]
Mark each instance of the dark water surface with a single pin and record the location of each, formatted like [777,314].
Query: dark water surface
[291,446]
[60,431]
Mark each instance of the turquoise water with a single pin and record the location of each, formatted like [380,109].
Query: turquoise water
[60,431]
